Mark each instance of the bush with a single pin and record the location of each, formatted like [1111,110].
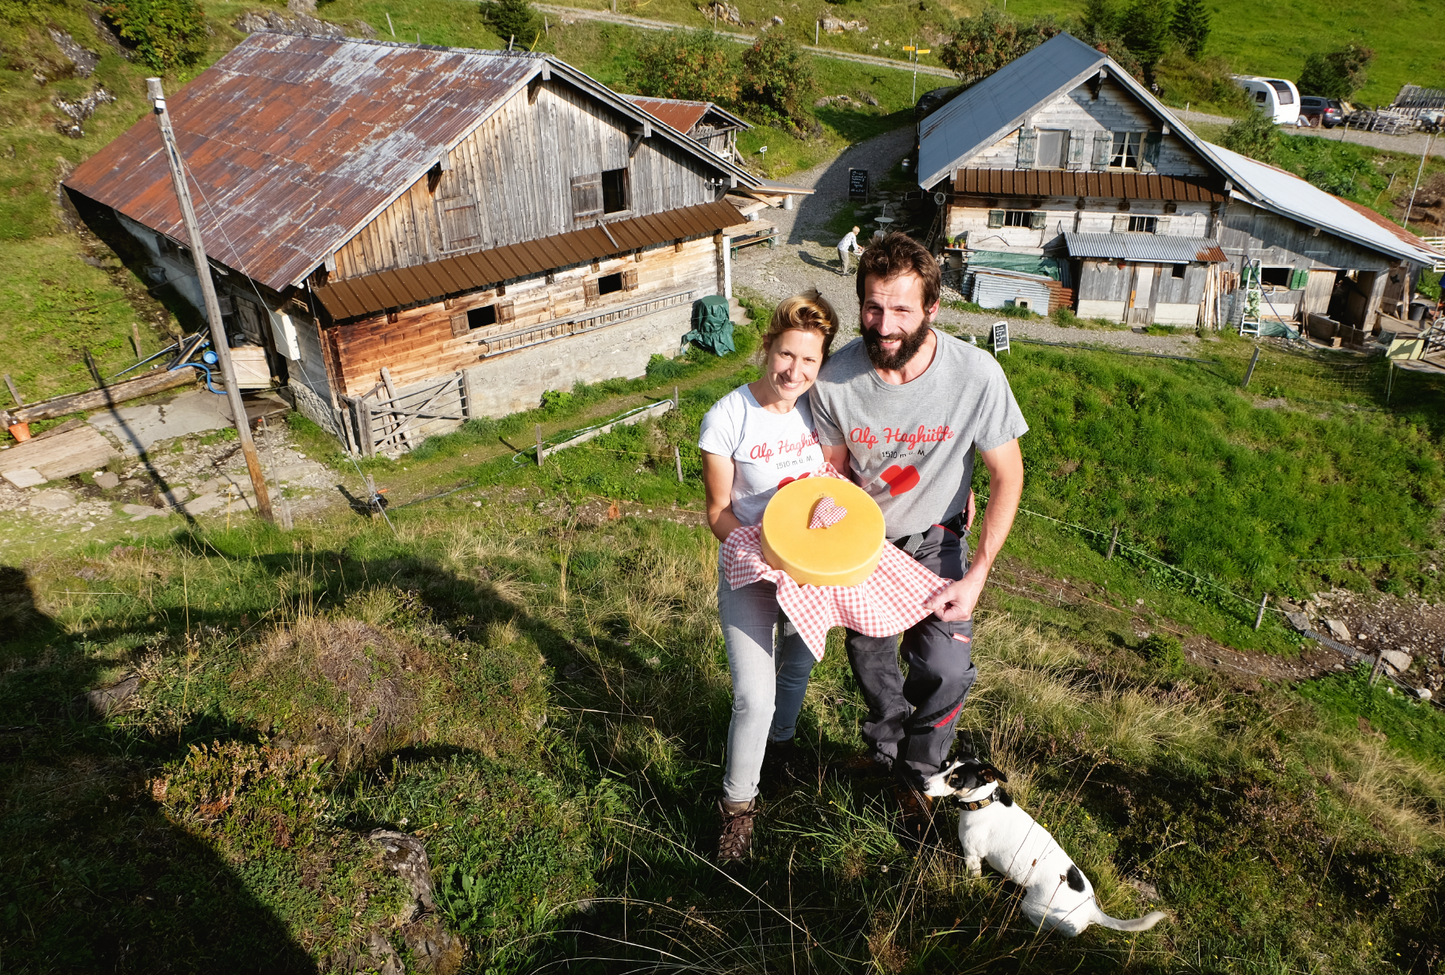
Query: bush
[982,44]
[1145,28]
[1254,136]
[1065,317]
[696,65]
[165,33]
[1202,83]
[777,75]
[511,19]
[1336,74]
[1164,651]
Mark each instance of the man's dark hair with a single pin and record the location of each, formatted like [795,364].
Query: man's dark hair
[897,254]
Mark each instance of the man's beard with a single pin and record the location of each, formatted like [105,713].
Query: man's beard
[892,362]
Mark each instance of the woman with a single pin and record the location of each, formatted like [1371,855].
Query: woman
[753,440]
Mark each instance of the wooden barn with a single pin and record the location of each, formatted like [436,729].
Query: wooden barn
[1062,154]
[703,122]
[416,234]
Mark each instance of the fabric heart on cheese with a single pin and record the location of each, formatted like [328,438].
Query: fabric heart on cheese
[845,554]
[826,513]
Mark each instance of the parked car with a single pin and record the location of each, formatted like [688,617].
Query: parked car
[1317,111]
[932,101]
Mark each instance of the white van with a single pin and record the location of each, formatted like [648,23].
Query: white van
[1275,97]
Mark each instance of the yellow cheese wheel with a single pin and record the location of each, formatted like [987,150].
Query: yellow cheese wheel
[843,554]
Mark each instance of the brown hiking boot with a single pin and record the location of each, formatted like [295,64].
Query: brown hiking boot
[735,839]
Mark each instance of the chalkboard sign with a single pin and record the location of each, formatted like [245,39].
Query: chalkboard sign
[1000,337]
[857,184]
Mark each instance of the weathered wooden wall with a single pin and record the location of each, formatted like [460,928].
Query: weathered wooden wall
[422,342]
[1250,232]
[1104,291]
[970,215]
[1087,119]
[533,145]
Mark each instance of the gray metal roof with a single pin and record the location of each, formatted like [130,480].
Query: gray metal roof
[1150,248]
[1287,194]
[986,112]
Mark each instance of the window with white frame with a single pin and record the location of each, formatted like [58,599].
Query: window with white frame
[1124,153]
[1053,149]
[1144,225]
[1034,219]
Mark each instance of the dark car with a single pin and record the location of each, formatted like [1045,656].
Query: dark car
[931,101]
[1321,111]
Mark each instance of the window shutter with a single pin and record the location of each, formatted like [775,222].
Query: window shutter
[1161,225]
[1103,143]
[589,290]
[1028,146]
[1038,220]
[995,218]
[629,280]
[1121,223]
[457,217]
[1150,161]
[459,324]
[506,311]
[586,197]
[1299,279]
[1076,149]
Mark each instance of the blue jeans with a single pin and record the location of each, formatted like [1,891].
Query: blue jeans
[768,683]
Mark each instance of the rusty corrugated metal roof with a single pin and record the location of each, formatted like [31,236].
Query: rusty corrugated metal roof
[1129,186]
[1149,248]
[683,115]
[1390,225]
[295,142]
[385,290]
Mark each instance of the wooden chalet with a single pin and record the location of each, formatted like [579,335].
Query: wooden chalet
[1062,155]
[703,122]
[416,234]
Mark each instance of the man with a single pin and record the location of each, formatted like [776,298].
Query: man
[903,411]
[849,244]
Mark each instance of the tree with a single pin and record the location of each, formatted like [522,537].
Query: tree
[1254,136]
[512,19]
[1191,27]
[165,33]
[777,75]
[1099,19]
[983,43]
[1145,28]
[1336,74]
[695,65]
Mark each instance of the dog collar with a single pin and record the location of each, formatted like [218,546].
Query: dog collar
[977,804]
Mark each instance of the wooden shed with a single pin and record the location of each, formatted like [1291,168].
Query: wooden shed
[418,234]
[706,123]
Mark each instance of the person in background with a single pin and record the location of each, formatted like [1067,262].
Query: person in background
[904,410]
[848,245]
[754,440]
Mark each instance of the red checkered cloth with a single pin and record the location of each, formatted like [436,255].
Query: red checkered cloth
[889,601]
[827,513]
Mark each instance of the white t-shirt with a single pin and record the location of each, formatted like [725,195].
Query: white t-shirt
[767,449]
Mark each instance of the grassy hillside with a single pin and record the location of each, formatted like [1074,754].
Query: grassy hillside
[539,692]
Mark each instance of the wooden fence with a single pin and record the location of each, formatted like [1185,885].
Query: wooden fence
[394,422]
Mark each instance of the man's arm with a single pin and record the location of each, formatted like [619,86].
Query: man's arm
[837,455]
[1005,487]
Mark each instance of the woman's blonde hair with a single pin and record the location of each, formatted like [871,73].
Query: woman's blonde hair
[807,312]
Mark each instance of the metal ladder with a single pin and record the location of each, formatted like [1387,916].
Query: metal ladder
[1249,318]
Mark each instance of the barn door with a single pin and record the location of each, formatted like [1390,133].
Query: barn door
[1318,289]
[1141,300]
[457,216]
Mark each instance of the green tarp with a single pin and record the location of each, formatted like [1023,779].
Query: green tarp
[711,327]
[1022,263]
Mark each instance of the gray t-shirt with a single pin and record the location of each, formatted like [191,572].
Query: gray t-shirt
[912,446]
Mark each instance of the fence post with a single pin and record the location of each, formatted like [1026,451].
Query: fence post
[1259,617]
[1253,359]
[1112,542]
[677,456]
[541,453]
[468,409]
[675,401]
[1389,379]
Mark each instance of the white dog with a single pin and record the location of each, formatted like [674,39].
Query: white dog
[1057,895]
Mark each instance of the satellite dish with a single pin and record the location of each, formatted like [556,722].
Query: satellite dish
[940,197]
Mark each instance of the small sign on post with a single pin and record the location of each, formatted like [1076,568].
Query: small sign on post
[1000,337]
[858,184]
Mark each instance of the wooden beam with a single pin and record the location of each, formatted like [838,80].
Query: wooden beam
[96,399]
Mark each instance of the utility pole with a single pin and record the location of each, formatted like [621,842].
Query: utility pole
[208,296]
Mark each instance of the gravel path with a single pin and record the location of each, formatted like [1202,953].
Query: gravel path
[807,257]
[1414,143]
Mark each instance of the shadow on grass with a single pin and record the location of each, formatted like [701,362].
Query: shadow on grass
[95,877]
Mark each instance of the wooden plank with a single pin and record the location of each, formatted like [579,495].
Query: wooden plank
[82,449]
[95,399]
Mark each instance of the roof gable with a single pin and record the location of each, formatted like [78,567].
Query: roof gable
[295,143]
[684,115]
